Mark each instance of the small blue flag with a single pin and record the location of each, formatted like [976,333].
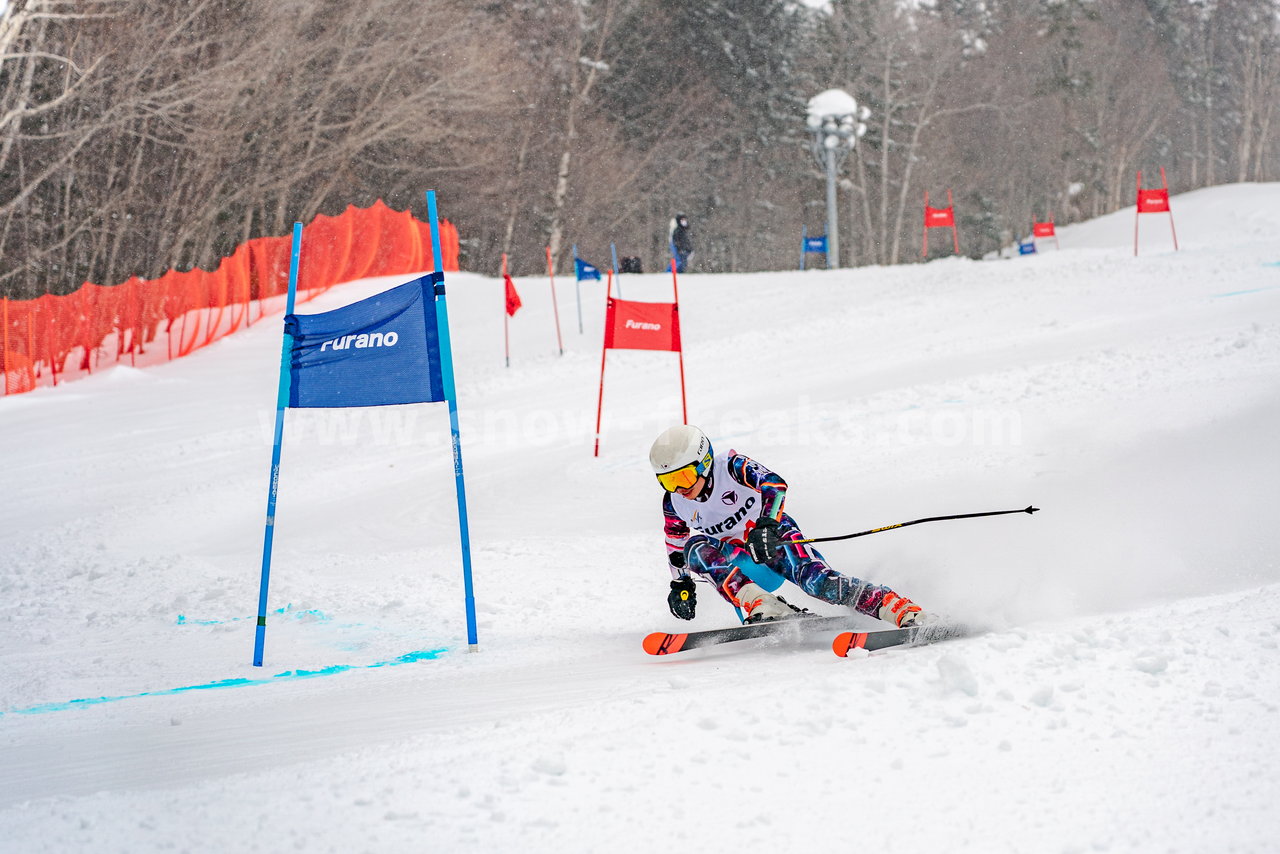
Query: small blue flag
[585,271]
[815,244]
[380,351]
[1028,248]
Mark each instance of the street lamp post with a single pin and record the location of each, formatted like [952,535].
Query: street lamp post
[836,122]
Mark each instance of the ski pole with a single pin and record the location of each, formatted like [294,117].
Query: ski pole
[1027,510]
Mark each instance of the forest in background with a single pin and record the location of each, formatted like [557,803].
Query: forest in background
[138,136]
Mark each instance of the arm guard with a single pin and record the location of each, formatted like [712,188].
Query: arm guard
[772,488]
[677,533]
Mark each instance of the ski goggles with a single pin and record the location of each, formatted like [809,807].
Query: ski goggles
[681,478]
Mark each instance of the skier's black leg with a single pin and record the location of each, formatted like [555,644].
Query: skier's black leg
[801,564]
[707,557]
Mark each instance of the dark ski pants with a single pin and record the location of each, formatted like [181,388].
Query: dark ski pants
[728,566]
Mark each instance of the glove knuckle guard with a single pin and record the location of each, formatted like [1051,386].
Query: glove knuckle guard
[763,541]
[683,599]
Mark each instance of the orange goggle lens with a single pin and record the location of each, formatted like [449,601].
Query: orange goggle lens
[680,478]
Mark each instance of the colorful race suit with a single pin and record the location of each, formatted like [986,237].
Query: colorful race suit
[706,536]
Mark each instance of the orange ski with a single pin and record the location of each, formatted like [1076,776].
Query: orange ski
[913,636]
[665,643]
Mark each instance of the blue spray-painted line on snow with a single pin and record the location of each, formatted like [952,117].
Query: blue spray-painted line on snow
[407,658]
[1242,293]
[316,613]
[312,616]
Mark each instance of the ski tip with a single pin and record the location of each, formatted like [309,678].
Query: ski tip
[661,643]
[840,646]
[846,641]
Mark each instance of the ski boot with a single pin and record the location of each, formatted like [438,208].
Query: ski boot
[759,606]
[900,611]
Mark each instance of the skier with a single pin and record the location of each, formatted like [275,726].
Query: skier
[681,242]
[723,514]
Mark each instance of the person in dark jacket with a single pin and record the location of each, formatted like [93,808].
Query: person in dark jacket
[681,242]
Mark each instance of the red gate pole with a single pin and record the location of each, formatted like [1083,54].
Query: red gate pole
[554,305]
[4,342]
[91,310]
[604,351]
[48,342]
[675,288]
[924,248]
[168,327]
[135,323]
[1165,184]
[506,334]
[31,344]
[1137,212]
[955,235]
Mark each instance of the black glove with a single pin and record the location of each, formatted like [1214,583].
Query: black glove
[683,599]
[763,542]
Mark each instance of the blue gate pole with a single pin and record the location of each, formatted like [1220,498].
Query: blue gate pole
[577,284]
[273,488]
[804,244]
[451,396]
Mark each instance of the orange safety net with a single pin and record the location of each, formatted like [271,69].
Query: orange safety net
[53,338]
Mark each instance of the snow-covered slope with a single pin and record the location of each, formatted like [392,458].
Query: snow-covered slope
[1125,696]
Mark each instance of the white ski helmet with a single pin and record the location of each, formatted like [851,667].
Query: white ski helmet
[677,449]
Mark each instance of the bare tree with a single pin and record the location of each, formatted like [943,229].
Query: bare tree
[220,121]
[142,135]
[591,22]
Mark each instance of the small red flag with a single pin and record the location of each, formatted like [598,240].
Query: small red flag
[513,298]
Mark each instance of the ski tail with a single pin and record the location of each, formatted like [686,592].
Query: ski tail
[846,641]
